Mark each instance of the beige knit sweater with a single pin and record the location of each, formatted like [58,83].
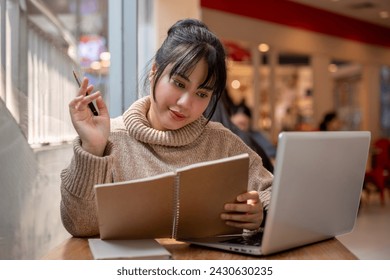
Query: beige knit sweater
[135,150]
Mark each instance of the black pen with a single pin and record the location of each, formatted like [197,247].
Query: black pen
[90,105]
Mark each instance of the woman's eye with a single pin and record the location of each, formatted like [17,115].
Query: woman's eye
[179,84]
[202,95]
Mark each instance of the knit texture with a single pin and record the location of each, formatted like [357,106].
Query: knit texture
[136,150]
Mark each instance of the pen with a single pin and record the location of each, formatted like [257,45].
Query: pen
[90,105]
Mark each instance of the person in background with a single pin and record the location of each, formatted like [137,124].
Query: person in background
[160,132]
[242,118]
[330,122]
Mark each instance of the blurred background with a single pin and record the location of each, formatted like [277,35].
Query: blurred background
[290,63]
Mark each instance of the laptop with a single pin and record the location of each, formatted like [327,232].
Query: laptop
[318,179]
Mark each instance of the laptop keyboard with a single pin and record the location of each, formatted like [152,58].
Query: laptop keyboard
[252,240]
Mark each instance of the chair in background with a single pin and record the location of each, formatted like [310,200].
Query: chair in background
[378,173]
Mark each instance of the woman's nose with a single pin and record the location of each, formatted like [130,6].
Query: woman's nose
[184,100]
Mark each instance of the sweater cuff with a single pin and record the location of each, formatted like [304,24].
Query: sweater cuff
[86,170]
[265,197]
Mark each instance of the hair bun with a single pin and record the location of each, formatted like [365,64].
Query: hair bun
[187,23]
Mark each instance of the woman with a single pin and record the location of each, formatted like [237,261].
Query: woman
[160,132]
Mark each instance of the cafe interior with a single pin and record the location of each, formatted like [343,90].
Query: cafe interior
[289,63]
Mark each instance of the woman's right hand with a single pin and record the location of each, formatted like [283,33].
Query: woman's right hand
[93,130]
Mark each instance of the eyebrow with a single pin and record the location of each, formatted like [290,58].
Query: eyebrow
[188,80]
[183,76]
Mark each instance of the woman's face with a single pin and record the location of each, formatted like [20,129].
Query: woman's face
[179,100]
[241,120]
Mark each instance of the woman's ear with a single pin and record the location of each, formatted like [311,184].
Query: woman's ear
[152,72]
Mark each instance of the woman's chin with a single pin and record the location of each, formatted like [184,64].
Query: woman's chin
[174,125]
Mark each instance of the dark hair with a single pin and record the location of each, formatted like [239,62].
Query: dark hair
[188,42]
[328,117]
[242,108]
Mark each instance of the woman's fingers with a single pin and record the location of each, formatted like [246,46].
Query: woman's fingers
[85,88]
[247,213]
[101,105]
[241,207]
[251,195]
[250,226]
[248,202]
[80,103]
[244,221]
[241,217]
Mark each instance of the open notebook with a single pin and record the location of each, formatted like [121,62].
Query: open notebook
[315,195]
[181,204]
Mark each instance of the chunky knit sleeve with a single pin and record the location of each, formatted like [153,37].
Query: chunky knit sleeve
[78,209]
[260,179]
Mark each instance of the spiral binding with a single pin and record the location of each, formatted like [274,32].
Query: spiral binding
[176,205]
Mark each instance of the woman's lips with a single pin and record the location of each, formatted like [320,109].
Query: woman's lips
[177,116]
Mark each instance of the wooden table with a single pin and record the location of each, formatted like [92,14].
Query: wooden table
[332,249]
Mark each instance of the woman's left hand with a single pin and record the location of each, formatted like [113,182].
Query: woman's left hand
[246,213]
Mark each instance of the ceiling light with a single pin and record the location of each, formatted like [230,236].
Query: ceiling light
[95,65]
[263,47]
[236,84]
[105,56]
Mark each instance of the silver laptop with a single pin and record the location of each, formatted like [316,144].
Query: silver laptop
[318,180]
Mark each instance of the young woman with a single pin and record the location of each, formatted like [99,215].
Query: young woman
[160,132]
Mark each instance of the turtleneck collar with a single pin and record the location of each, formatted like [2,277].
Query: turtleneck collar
[138,126]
